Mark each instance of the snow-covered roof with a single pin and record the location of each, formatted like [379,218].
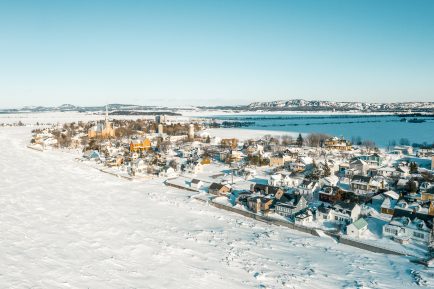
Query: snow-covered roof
[392,194]
[360,224]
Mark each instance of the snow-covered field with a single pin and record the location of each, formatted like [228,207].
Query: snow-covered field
[65,225]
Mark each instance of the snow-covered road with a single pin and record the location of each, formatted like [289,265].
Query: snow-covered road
[64,225]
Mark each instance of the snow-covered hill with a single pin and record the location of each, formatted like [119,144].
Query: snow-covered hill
[314,105]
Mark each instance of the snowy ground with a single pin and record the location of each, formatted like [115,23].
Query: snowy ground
[64,225]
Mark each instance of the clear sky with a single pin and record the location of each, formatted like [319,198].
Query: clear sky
[214,52]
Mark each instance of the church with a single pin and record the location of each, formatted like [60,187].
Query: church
[102,129]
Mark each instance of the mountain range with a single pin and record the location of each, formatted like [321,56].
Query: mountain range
[279,105]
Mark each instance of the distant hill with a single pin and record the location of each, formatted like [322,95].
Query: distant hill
[70,107]
[279,105]
[319,105]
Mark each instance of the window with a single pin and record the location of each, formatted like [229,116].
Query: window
[391,231]
[418,235]
[336,218]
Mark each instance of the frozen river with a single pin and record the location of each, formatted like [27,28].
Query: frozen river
[382,129]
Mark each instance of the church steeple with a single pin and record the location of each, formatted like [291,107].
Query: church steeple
[107,123]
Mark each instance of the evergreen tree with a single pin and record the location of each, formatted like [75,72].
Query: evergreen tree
[299,140]
[314,175]
[327,171]
[411,186]
[413,168]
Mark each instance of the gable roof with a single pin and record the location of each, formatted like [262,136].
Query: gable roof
[216,186]
[361,179]
[360,224]
[344,205]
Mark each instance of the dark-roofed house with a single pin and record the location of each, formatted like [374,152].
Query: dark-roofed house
[267,190]
[344,212]
[330,194]
[361,184]
[195,183]
[292,207]
[219,189]
[259,203]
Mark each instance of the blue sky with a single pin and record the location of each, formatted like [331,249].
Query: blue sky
[214,52]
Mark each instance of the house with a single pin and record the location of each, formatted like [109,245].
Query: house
[275,180]
[406,150]
[405,228]
[388,206]
[304,218]
[195,167]
[285,179]
[361,184]
[432,163]
[335,143]
[372,160]
[307,187]
[279,160]
[357,167]
[267,190]
[115,161]
[329,181]
[241,197]
[168,172]
[357,228]
[235,156]
[428,194]
[140,145]
[344,213]
[330,194]
[91,155]
[390,199]
[139,166]
[218,189]
[229,143]
[196,184]
[259,203]
[292,207]
[386,171]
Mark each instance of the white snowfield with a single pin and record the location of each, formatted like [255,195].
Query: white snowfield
[65,225]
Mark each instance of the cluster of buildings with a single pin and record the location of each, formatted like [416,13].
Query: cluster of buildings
[334,186]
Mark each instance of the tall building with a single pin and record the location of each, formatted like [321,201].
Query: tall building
[102,129]
[432,162]
[160,128]
[160,119]
[191,132]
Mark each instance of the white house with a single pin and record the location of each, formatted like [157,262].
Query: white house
[345,212]
[357,228]
[403,228]
[307,187]
[196,184]
[304,218]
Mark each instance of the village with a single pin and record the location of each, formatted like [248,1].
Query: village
[316,181]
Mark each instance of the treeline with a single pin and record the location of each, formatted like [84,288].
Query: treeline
[135,112]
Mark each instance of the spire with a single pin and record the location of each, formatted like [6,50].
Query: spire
[107,123]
